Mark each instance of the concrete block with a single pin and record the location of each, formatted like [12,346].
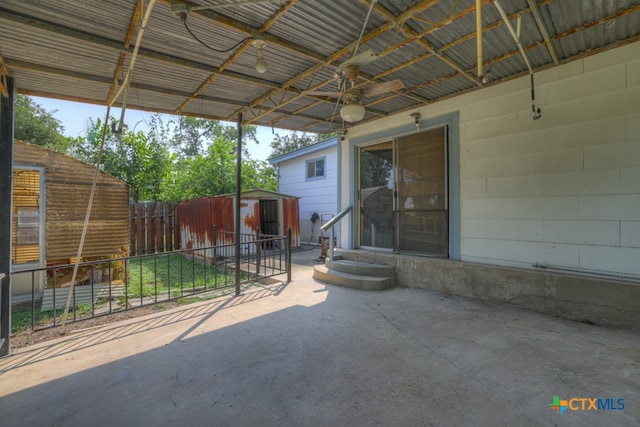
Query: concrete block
[484,148]
[525,252]
[611,156]
[473,228]
[486,208]
[514,186]
[618,103]
[603,181]
[630,180]
[583,232]
[595,132]
[633,127]
[474,169]
[505,105]
[501,166]
[550,162]
[492,127]
[610,259]
[553,115]
[481,110]
[474,150]
[630,234]
[604,80]
[559,73]
[531,142]
[604,60]
[474,189]
[614,208]
[512,229]
[545,208]
[633,73]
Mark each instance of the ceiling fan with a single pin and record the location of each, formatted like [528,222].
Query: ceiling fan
[347,74]
[351,97]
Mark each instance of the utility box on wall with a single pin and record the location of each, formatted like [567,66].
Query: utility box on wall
[271,213]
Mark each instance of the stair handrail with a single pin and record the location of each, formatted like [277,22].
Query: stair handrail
[333,221]
[336,218]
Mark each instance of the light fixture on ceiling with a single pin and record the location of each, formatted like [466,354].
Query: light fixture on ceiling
[352,111]
[259,43]
[416,119]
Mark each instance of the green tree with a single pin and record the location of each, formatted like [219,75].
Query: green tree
[35,125]
[129,156]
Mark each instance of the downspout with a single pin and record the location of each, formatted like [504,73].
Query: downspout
[479,39]
[536,111]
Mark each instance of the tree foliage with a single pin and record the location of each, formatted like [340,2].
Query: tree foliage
[176,160]
[35,125]
[173,160]
[295,141]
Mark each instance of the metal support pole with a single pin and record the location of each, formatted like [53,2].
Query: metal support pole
[331,244]
[6,186]
[258,244]
[238,194]
[289,255]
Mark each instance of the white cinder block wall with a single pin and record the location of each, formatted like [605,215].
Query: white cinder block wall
[563,190]
[318,195]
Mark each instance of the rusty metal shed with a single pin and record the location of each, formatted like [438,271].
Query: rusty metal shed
[266,212]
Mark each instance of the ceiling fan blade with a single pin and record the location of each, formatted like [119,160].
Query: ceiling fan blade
[380,88]
[322,93]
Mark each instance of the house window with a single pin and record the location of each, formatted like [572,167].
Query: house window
[28,230]
[27,211]
[315,168]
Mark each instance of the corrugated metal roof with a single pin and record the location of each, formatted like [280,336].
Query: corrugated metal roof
[74,49]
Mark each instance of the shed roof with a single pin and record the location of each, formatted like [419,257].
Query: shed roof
[81,50]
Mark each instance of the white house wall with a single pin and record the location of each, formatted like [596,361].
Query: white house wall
[318,195]
[563,190]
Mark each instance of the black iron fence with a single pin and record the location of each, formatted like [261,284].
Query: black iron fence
[118,284]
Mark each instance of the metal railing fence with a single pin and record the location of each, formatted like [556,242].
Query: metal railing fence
[115,285]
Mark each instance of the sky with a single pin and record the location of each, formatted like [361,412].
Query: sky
[74,117]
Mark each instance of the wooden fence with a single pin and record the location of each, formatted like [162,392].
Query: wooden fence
[154,228]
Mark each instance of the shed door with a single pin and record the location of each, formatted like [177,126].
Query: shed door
[269,223]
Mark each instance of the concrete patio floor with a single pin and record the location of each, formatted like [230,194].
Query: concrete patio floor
[309,354]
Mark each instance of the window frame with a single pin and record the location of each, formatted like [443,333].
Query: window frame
[315,160]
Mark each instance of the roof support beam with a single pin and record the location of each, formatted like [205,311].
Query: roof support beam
[543,30]
[235,55]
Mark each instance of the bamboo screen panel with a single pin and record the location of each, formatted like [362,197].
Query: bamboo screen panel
[25,222]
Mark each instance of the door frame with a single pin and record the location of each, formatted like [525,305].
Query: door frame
[451,121]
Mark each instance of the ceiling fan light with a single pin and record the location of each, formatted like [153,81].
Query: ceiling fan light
[352,113]
[261,65]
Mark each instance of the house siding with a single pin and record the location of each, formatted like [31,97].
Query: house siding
[316,195]
[562,190]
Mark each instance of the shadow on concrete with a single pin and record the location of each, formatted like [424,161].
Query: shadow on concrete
[317,355]
[84,338]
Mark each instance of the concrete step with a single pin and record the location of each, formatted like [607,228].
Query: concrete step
[361,268]
[349,280]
